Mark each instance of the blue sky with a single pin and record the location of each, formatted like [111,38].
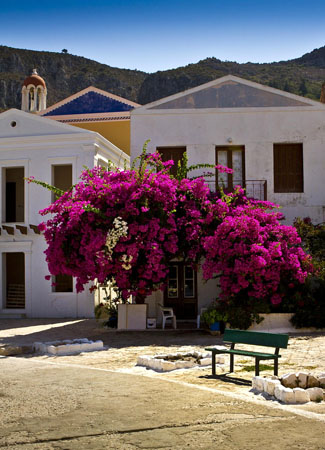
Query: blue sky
[159,35]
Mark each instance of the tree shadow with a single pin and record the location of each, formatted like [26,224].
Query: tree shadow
[16,332]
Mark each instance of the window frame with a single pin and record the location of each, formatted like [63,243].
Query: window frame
[279,185]
[179,148]
[11,164]
[230,149]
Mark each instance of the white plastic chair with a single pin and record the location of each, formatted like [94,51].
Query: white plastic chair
[167,313]
[198,318]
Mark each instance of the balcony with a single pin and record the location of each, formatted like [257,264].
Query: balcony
[256,189]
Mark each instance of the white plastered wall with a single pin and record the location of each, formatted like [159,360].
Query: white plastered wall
[256,129]
[37,144]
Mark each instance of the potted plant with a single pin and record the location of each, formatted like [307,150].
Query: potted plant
[215,318]
[107,310]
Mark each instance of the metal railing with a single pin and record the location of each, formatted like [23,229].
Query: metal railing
[256,189]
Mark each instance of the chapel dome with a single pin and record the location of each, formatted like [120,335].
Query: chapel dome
[35,80]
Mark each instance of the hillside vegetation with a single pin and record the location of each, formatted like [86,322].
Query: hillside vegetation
[67,74]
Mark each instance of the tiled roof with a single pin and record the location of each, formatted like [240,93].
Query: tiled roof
[88,103]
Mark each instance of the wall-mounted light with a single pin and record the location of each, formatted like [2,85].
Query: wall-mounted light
[229,140]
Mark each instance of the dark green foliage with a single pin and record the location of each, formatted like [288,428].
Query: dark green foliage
[311,303]
[303,88]
[239,312]
[66,74]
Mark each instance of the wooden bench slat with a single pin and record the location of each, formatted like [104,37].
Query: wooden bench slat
[256,338]
[245,353]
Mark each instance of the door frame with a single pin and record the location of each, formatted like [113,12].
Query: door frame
[178,303]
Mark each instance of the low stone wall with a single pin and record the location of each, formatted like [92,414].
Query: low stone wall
[173,361]
[279,323]
[292,388]
[67,347]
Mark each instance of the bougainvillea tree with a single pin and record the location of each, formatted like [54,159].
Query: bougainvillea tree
[254,254]
[125,226]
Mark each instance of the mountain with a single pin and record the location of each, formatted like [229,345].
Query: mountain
[67,74]
[64,75]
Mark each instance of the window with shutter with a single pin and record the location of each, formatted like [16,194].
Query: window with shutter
[174,153]
[288,168]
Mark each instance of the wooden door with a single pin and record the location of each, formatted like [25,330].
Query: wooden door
[181,291]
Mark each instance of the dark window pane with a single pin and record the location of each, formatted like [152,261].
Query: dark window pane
[174,153]
[63,283]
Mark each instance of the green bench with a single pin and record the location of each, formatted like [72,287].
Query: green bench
[233,337]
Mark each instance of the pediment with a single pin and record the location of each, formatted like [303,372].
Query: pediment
[231,92]
[16,123]
[90,101]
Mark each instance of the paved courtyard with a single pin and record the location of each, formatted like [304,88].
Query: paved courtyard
[102,400]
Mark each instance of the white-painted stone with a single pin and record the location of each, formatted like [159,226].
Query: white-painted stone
[205,361]
[315,394]
[322,382]
[184,364]
[278,392]
[271,385]
[288,396]
[67,347]
[143,360]
[312,381]
[51,349]
[258,383]
[289,380]
[167,365]
[301,395]
[302,379]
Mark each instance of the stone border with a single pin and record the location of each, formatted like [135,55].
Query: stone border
[161,364]
[292,388]
[67,347]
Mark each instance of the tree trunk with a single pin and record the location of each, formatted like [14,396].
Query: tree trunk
[140,298]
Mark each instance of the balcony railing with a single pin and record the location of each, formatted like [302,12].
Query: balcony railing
[256,189]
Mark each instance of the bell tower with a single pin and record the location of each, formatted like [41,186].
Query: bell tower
[33,93]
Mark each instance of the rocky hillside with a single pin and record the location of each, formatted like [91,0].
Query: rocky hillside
[66,74]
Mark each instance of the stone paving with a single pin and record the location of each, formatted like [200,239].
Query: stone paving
[304,353]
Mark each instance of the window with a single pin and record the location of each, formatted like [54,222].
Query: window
[174,153]
[288,168]
[62,176]
[232,157]
[62,283]
[13,194]
[14,280]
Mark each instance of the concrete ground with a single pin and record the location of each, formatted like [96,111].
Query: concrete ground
[101,400]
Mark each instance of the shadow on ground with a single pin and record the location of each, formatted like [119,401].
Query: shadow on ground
[27,331]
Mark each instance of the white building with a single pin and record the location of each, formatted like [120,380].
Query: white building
[55,153]
[273,140]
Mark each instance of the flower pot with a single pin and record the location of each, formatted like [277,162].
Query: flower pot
[218,327]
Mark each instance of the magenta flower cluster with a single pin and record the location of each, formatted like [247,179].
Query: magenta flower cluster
[253,253]
[126,226]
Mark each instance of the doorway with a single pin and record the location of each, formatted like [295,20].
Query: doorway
[14,280]
[181,291]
